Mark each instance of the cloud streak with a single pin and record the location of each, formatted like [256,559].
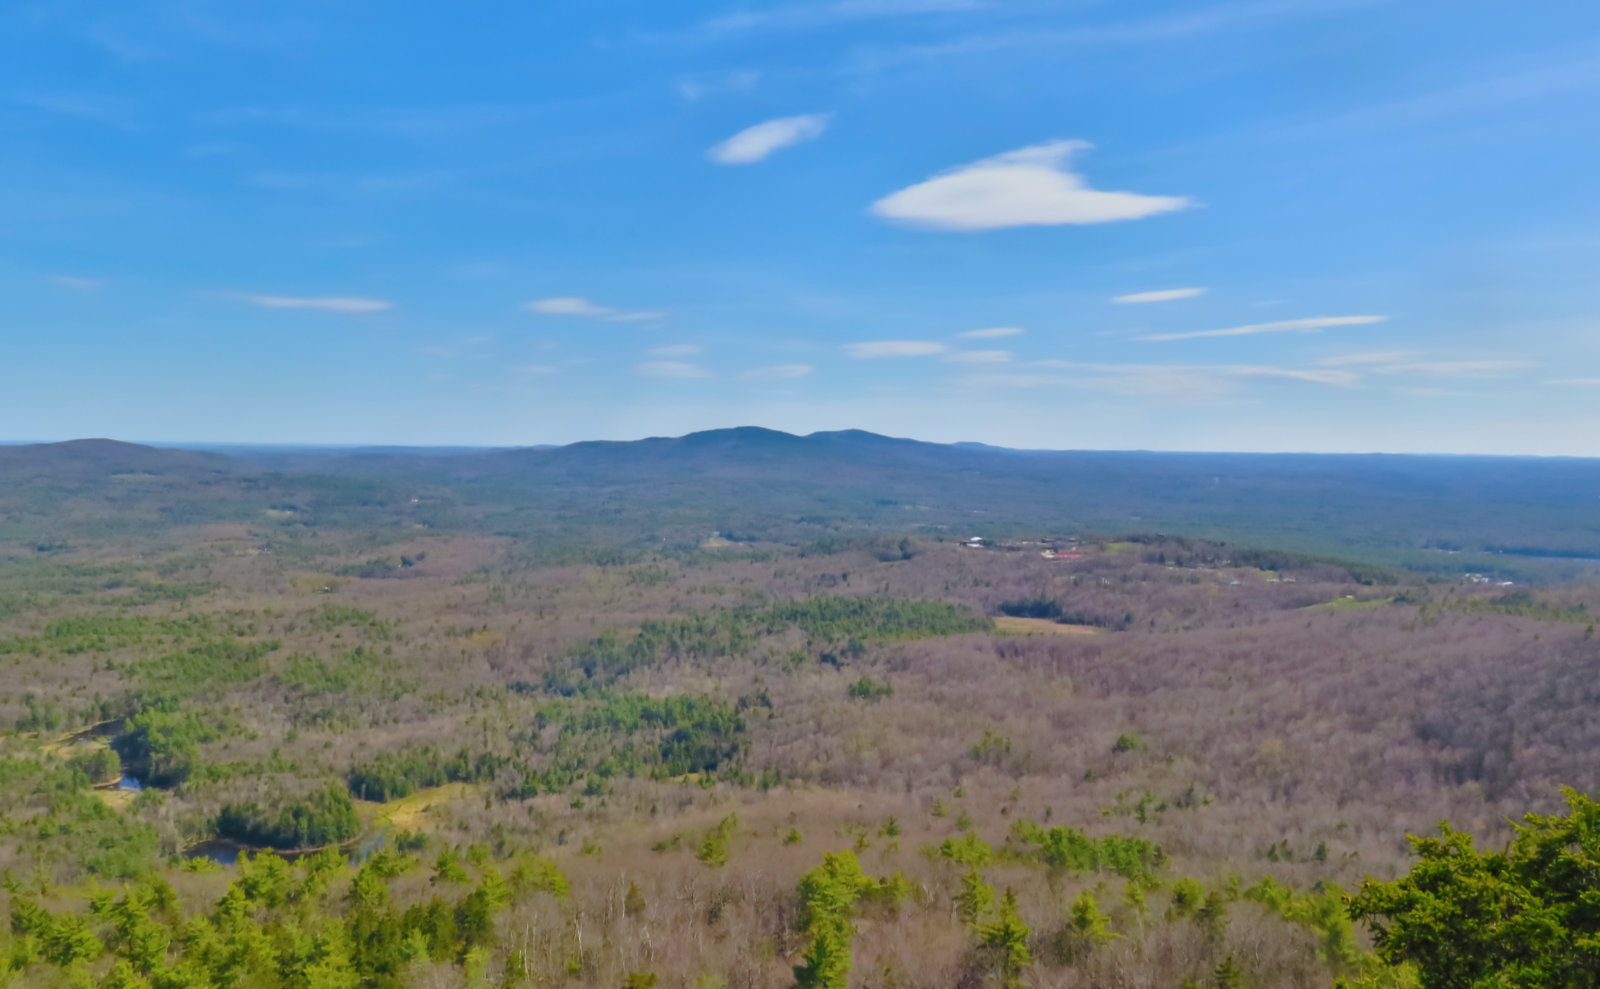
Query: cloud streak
[1392,362]
[777,372]
[333,303]
[894,348]
[811,16]
[677,370]
[573,305]
[757,143]
[1028,187]
[978,357]
[1181,382]
[1311,325]
[1164,295]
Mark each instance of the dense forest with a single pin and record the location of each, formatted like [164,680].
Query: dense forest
[314,721]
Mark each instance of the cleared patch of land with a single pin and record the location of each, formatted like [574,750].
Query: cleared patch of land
[1040,626]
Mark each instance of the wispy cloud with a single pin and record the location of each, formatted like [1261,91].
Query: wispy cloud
[1028,187]
[75,283]
[676,350]
[991,333]
[1164,295]
[1170,28]
[754,144]
[777,372]
[894,348]
[334,303]
[697,87]
[1177,382]
[811,16]
[573,305]
[671,369]
[1575,382]
[1311,325]
[1393,362]
[537,370]
[978,357]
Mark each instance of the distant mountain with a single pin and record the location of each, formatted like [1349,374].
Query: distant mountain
[89,458]
[1448,513]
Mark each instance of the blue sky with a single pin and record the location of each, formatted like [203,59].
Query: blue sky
[1324,225]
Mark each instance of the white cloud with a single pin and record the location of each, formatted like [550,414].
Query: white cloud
[1575,382]
[1366,357]
[1030,186]
[979,357]
[535,370]
[754,144]
[1179,382]
[75,283]
[777,372]
[991,333]
[894,348]
[671,369]
[1394,362]
[573,305]
[676,350]
[807,16]
[339,304]
[1164,295]
[1455,369]
[1283,326]
[698,87]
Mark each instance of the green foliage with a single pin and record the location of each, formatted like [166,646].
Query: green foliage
[162,747]
[200,669]
[537,874]
[264,932]
[324,817]
[392,775]
[827,622]
[1128,742]
[868,689]
[1526,916]
[992,749]
[1031,608]
[99,765]
[697,734]
[976,897]
[1067,848]
[828,896]
[968,850]
[315,676]
[1005,939]
[713,848]
[333,616]
[1323,911]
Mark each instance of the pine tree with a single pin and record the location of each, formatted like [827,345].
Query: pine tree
[1007,940]
[976,897]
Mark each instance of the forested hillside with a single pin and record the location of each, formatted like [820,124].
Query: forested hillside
[534,754]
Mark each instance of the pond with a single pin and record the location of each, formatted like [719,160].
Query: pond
[225,852]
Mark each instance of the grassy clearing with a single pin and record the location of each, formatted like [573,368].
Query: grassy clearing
[1007,625]
[410,813]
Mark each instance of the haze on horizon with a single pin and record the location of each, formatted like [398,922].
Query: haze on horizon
[1321,226]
